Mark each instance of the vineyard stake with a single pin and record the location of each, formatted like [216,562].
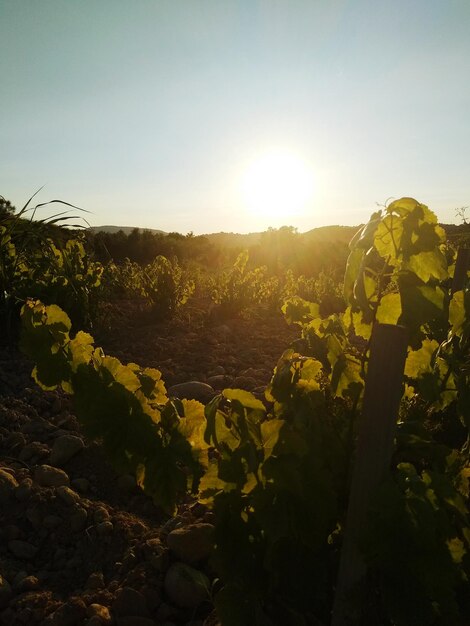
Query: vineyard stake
[462,265]
[382,394]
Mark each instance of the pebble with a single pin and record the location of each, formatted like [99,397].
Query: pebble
[156,554]
[95,621]
[99,611]
[172,523]
[134,620]
[47,476]
[192,390]
[104,528]
[186,586]
[67,495]
[24,490]
[244,382]
[52,521]
[219,381]
[192,543]
[64,448]
[71,613]
[33,449]
[126,483]
[8,485]
[5,592]
[22,549]
[100,514]
[11,532]
[130,602]
[95,581]
[15,440]
[28,583]
[78,519]
[34,516]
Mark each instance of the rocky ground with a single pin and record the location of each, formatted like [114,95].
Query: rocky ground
[78,543]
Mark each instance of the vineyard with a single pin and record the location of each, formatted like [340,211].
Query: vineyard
[187,449]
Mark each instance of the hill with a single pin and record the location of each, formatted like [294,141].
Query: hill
[125,229]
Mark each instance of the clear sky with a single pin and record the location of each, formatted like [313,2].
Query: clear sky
[195,115]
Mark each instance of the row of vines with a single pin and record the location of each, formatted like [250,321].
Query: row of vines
[58,270]
[277,473]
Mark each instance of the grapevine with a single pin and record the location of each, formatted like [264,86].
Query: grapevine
[277,476]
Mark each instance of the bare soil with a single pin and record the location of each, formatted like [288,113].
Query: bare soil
[94,549]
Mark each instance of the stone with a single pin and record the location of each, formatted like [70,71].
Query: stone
[52,521]
[100,611]
[74,562]
[28,583]
[22,549]
[126,483]
[185,586]
[104,528]
[64,448]
[219,381]
[95,621]
[15,440]
[134,620]
[95,581]
[245,382]
[100,514]
[19,577]
[72,613]
[33,449]
[34,516]
[24,490]
[78,519]
[47,476]
[67,495]
[5,592]
[172,523]
[8,485]
[156,554]
[192,390]
[192,543]
[130,602]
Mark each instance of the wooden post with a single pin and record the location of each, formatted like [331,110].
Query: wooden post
[382,396]
[462,265]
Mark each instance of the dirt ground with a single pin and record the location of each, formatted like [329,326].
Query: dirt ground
[80,544]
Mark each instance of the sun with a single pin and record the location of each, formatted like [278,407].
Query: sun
[277,185]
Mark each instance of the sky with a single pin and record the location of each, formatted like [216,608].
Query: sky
[235,115]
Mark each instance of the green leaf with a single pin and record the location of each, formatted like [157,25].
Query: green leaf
[352,270]
[192,426]
[245,398]
[299,311]
[389,309]
[310,373]
[270,430]
[418,362]
[387,240]
[457,313]
[427,265]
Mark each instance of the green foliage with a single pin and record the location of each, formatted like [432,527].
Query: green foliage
[237,288]
[277,478]
[34,262]
[163,283]
[125,406]
[62,275]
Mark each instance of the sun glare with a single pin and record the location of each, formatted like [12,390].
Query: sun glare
[277,185]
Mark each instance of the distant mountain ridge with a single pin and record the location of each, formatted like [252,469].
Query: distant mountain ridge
[125,229]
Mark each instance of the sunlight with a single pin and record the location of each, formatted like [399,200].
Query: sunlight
[277,184]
